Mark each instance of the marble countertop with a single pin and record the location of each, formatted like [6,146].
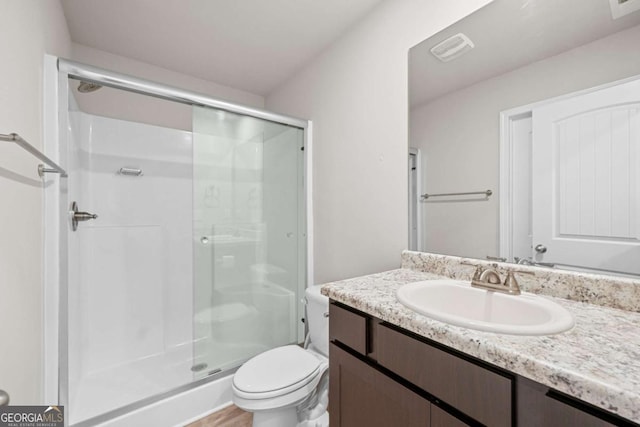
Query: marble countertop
[597,361]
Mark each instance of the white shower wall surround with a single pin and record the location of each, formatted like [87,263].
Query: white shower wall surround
[130,326]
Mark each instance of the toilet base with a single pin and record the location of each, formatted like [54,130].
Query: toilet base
[287,417]
[321,421]
[284,417]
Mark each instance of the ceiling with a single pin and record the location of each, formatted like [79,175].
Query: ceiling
[509,34]
[252,45]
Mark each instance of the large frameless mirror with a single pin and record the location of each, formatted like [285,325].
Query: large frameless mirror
[525,133]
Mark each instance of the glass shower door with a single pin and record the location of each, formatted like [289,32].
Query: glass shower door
[249,251]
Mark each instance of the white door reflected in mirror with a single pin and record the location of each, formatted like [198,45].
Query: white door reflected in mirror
[586,172]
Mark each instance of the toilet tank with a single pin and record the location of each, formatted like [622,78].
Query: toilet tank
[317,319]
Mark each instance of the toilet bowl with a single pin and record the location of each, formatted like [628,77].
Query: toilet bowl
[288,386]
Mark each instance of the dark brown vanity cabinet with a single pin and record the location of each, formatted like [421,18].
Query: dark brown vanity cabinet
[382,375]
[363,392]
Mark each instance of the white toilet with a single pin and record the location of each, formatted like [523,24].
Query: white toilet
[288,386]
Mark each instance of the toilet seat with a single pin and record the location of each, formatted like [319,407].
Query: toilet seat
[276,378]
[276,372]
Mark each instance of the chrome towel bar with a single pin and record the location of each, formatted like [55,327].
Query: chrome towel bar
[486,193]
[55,168]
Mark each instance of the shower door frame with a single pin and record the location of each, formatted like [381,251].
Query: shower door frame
[57,72]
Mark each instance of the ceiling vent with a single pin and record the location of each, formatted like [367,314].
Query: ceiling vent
[620,8]
[453,47]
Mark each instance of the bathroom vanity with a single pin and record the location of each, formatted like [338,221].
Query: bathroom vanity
[391,366]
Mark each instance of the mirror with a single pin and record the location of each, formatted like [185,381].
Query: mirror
[535,110]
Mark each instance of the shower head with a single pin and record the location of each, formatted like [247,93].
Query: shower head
[86,87]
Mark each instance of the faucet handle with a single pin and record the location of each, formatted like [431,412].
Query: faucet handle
[477,273]
[511,283]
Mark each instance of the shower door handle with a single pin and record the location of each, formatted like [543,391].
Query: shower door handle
[77,216]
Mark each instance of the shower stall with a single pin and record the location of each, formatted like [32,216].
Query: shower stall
[176,247]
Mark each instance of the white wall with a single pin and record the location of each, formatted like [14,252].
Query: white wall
[356,95]
[30,28]
[471,147]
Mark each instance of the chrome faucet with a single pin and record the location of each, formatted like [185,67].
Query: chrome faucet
[489,279]
[489,276]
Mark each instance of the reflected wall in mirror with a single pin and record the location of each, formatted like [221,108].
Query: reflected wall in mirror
[541,105]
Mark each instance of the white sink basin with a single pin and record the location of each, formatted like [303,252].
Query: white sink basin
[459,304]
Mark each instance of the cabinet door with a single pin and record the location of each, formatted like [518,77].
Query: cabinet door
[538,407]
[557,413]
[360,396]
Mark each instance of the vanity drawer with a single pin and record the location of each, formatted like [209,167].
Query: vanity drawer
[478,392]
[348,328]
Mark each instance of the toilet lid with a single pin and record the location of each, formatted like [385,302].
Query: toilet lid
[276,369]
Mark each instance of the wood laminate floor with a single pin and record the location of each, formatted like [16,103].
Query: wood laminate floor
[231,416]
